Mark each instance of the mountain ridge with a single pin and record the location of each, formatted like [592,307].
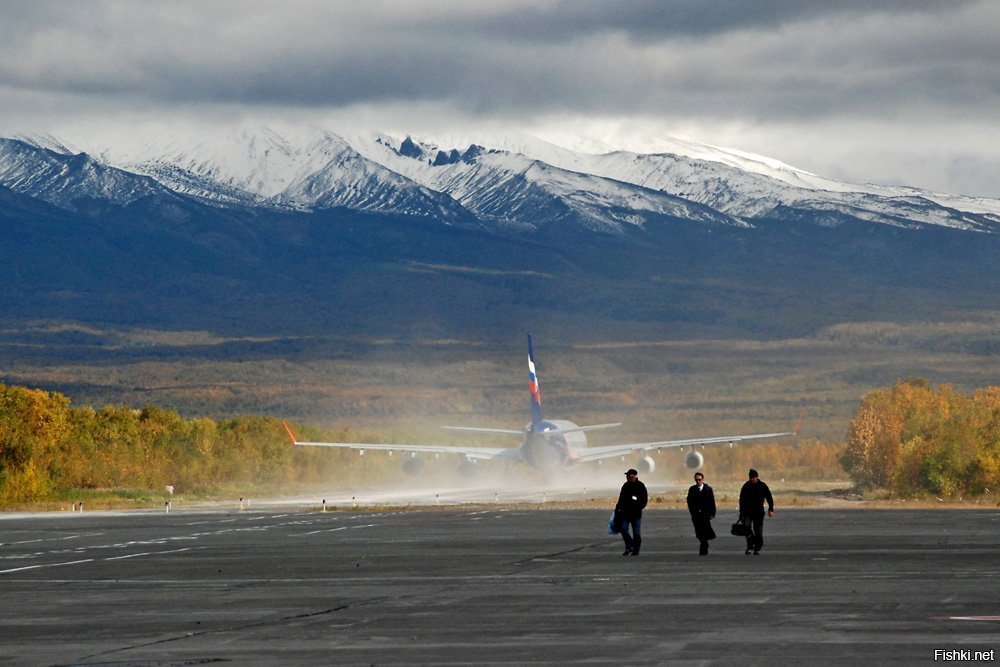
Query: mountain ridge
[312,231]
[522,184]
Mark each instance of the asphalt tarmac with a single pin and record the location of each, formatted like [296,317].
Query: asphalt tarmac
[490,585]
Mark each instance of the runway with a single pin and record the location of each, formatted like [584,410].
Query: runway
[493,586]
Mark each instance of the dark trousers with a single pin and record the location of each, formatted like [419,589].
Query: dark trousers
[755,538]
[703,530]
[633,541]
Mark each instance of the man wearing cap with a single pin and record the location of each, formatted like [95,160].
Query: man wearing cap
[753,495]
[628,511]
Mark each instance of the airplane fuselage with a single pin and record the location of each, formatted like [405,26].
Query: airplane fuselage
[549,452]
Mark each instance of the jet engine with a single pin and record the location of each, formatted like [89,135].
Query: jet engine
[413,466]
[645,465]
[693,460]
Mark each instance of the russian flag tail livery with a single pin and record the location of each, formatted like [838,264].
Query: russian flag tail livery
[536,398]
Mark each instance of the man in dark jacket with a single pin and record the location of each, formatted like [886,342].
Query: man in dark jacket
[628,511]
[701,504]
[753,495]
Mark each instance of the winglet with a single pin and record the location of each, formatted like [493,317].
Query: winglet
[290,434]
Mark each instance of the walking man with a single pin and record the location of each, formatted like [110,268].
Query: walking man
[753,495]
[701,504]
[628,511]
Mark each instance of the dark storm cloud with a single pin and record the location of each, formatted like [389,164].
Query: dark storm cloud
[659,19]
[913,76]
[752,58]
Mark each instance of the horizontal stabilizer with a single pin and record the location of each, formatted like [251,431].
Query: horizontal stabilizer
[580,429]
[501,431]
[549,431]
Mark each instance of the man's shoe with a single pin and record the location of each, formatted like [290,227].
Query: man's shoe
[627,552]
[756,552]
[747,552]
[635,553]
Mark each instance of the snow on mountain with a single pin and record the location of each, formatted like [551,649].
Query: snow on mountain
[257,160]
[348,179]
[750,163]
[511,180]
[508,186]
[297,167]
[749,186]
[240,164]
[69,180]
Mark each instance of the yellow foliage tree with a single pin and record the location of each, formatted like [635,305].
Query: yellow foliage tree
[48,448]
[911,438]
[33,424]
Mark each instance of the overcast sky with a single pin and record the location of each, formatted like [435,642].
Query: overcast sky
[886,91]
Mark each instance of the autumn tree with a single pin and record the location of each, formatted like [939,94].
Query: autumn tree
[912,438]
[33,424]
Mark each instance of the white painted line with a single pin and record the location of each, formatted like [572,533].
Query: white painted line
[314,532]
[152,553]
[145,553]
[35,567]
[51,539]
[332,530]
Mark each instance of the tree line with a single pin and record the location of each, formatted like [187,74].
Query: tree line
[805,460]
[914,439]
[910,438]
[49,448]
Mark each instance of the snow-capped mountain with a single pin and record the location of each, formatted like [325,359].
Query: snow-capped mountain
[508,182]
[370,235]
[67,180]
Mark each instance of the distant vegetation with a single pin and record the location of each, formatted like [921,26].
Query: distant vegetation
[808,460]
[49,449]
[912,438]
[907,439]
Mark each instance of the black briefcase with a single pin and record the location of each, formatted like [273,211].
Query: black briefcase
[739,529]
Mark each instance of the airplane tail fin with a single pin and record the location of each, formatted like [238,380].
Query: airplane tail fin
[536,398]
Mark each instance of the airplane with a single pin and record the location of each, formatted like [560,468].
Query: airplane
[547,445]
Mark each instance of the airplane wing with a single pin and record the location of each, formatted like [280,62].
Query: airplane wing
[609,451]
[481,453]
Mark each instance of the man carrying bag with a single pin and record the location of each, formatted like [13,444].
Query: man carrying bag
[628,511]
[753,496]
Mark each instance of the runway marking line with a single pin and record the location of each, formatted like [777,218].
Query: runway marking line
[314,532]
[51,539]
[966,618]
[91,560]
[35,567]
[144,553]
[332,530]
